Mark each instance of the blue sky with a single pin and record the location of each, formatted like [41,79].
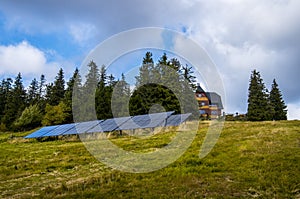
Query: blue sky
[39,37]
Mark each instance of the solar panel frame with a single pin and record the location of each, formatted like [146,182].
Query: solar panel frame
[42,131]
[60,130]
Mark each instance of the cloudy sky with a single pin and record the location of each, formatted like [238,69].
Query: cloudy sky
[39,37]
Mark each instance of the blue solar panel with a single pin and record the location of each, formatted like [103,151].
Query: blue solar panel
[82,127]
[146,121]
[59,130]
[109,125]
[123,123]
[41,132]
[175,120]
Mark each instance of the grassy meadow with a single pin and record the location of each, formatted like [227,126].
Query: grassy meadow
[250,160]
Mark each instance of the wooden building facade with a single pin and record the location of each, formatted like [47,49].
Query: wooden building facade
[210,103]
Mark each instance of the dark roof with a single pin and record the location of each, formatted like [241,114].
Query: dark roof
[214,99]
[199,89]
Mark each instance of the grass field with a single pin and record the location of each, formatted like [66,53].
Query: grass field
[250,160]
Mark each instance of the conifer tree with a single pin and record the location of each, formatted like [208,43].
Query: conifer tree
[187,74]
[33,92]
[276,101]
[103,96]
[120,98]
[5,89]
[84,106]
[41,87]
[257,99]
[74,82]
[56,92]
[144,73]
[16,102]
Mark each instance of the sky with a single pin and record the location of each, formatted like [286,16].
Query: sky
[39,37]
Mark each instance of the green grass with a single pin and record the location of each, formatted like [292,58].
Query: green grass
[250,160]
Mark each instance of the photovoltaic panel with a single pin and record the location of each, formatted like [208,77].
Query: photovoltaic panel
[109,125]
[175,120]
[123,123]
[146,121]
[59,130]
[41,131]
[82,127]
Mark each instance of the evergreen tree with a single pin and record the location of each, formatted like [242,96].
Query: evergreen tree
[163,60]
[56,92]
[33,92]
[74,82]
[41,87]
[16,102]
[257,99]
[188,76]
[5,89]
[277,103]
[120,98]
[144,74]
[111,80]
[85,104]
[103,96]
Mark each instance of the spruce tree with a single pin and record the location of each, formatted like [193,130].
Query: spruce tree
[56,92]
[103,96]
[276,101]
[16,102]
[120,98]
[144,73]
[41,88]
[74,82]
[33,92]
[85,104]
[188,76]
[257,99]
[5,89]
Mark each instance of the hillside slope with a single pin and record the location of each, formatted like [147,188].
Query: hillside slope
[250,160]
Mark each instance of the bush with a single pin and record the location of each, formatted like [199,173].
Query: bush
[55,114]
[31,118]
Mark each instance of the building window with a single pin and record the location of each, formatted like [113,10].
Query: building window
[214,112]
[202,112]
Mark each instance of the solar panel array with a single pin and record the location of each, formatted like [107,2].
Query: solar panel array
[175,120]
[146,121]
[109,125]
[113,124]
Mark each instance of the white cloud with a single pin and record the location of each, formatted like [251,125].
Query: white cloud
[28,60]
[293,111]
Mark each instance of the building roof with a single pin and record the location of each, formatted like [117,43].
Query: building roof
[199,89]
[214,98]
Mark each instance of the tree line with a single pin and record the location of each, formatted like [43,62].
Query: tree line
[262,104]
[43,104]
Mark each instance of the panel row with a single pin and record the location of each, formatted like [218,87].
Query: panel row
[113,124]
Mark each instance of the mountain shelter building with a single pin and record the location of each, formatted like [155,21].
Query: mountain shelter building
[210,103]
